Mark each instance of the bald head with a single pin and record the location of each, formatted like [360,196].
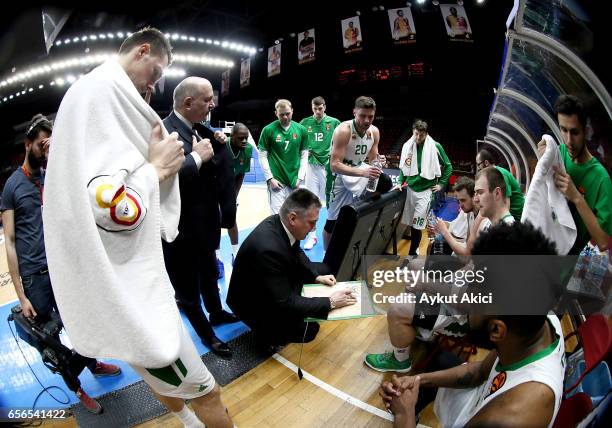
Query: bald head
[193,98]
[239,127]
[239,136]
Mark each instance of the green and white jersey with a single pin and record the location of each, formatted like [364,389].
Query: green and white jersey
[242,158]
[357,151]
[319,137]
[594,183]
[513,191]
[284,149]
[359,146]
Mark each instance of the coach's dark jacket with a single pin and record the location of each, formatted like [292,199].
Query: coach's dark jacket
[208,202]
[266,285]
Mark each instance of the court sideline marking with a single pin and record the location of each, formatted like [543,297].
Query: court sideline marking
[335,391]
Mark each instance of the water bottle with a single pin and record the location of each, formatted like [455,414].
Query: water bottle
[373,182]
[438,240]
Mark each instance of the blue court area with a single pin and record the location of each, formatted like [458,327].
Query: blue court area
[20,388]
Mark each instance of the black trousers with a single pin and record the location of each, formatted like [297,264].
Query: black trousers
[282,332]
[193,274]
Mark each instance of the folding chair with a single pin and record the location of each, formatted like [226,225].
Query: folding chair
[573,410]
[595,337]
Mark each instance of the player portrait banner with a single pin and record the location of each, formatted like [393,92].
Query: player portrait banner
[225,80]
[245,72]
[274,60]
[306,46]
[403,31]
[351,35]
[456,22]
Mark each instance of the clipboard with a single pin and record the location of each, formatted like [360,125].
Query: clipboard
[347,312]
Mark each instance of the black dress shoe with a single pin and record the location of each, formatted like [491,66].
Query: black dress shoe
[218,347]
[222,317]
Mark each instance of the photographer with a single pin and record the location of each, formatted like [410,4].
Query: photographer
[22,201]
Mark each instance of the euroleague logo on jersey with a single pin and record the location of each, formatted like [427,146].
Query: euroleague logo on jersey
[498,382]
[117,207]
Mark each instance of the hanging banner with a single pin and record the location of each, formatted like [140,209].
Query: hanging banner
[225,80]
[403,31]
[456,22]
[306,46]
[274,60]
[245,72]
[351,34]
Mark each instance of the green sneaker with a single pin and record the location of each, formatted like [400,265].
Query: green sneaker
[387,363]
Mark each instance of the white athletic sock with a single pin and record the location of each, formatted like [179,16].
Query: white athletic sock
[188,418]
[401,354]
[235,249]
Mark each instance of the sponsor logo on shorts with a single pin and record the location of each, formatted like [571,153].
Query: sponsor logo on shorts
[202,388]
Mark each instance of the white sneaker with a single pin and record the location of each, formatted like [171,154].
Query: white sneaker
[310,242]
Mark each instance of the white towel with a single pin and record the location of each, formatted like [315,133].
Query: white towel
[355,185]
[104,217]
[545,206]
[430,166]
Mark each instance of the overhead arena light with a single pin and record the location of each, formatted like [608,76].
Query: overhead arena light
[46,68]
[67,80]
[202,59]
[95,59]
[174,37]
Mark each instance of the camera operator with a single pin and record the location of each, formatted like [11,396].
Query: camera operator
[22,202]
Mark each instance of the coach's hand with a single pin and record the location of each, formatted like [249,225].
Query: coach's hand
[220,137]
[326,280]
[343,298]
[203,148]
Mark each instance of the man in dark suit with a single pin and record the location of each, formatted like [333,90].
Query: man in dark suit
[205,202]
[270,270]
